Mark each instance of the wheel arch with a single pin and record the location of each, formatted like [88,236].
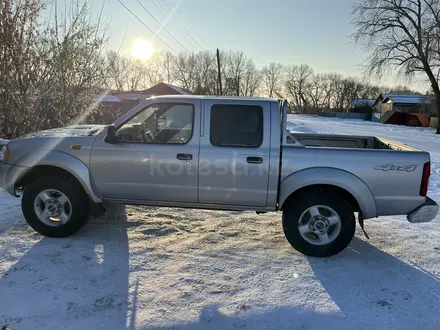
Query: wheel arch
[40,171]
[354,190]
[57,163]
[351,200]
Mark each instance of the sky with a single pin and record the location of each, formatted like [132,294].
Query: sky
[313,32]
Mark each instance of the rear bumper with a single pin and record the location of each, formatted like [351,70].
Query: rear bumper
[424,213]
[9,175]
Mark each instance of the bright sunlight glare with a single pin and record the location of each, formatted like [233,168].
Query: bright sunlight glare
[142,50]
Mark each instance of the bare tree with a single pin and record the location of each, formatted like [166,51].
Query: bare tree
[272,75]
[206,74]
[155,70]
[237,68]
[225,60]
[316,92]
[50,69]
[346,89]
[19,62]
[329,82]
[370,91]
[167,59]
[250,83]
[184,70]
[239,74]
[297,82]
[403,34]
[115,71]
[136,75]
[74,53]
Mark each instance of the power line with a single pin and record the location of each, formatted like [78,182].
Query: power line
[142,22]
[196,33]
[183,28]
[162,25]
[169,14]
[122,41]
[175,22]
[186,22]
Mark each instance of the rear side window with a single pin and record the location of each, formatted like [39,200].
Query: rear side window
[236,125]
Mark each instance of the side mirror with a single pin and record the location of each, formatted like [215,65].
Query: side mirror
[111,135]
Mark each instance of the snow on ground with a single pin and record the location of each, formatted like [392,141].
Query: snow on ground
[149,268]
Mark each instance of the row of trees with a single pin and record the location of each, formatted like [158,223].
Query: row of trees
[53,66]
[198,73]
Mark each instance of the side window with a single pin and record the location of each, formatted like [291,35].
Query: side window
[236,125]
[161,123]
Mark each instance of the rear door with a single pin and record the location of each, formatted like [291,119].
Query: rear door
[234,153]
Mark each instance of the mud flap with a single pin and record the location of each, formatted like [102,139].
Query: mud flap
[97,209]
[361,224]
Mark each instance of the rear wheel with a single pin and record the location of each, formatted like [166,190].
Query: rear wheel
[319,224]
[55,207]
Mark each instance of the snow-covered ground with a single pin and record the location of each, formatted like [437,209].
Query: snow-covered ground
[148,268]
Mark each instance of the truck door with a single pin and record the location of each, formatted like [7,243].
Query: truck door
[234,153]
[156,157]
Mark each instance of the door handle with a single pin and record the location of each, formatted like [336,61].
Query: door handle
[254,160]
[184,156]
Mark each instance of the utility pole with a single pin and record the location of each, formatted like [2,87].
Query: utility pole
[219,72]
[238,86]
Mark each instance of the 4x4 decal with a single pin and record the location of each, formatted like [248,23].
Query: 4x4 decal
[390,167]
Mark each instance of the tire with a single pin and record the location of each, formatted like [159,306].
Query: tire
[76,207]
[300,215]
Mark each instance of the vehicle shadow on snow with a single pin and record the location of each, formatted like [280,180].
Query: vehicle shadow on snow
[379,289]
[284,317]
[10,212]
[78,282]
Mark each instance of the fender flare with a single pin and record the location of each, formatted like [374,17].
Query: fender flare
[334,177]
[63,161]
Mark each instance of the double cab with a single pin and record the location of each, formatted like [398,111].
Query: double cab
[224,153]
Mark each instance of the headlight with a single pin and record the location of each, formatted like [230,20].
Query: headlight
[4,155]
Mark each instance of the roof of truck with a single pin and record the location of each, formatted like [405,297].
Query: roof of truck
[213,97]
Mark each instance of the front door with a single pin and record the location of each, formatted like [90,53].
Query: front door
[234,153]
[156,157]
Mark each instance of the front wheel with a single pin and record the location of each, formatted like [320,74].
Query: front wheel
[319,224]
[55,207]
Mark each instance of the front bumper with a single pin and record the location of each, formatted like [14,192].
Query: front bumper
[424,213]
[9,174]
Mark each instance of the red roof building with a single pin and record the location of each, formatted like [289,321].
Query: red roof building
[116,104]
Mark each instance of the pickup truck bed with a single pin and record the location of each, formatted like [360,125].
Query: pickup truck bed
[349,141]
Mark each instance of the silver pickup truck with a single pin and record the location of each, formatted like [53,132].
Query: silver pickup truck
[220,153]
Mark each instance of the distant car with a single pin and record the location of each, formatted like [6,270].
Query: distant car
[223,153]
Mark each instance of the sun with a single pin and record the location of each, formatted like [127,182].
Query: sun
[142,50]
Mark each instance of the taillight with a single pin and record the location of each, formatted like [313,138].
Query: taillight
[425,179]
